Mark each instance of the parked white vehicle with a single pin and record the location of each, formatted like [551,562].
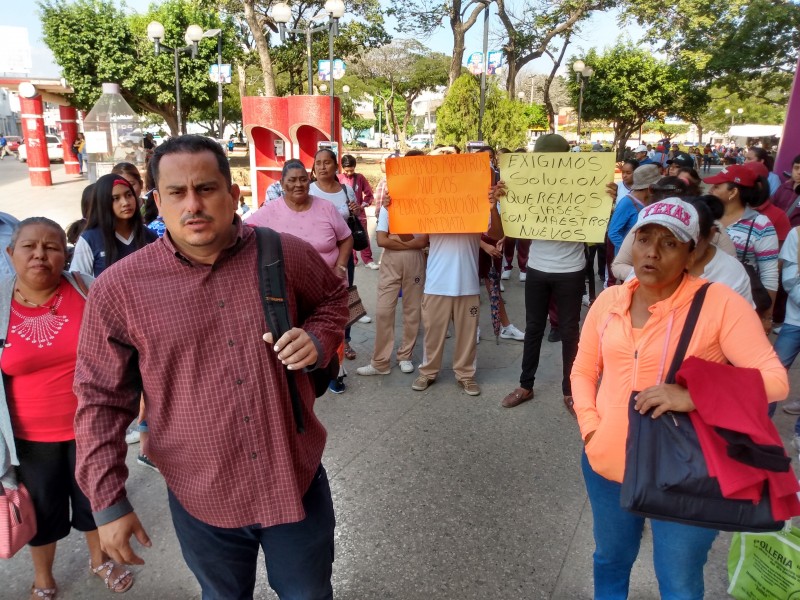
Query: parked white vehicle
[420,141]
[54,151]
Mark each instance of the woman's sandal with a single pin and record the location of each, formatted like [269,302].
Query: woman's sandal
[43,593]
[349,353]
[107,569]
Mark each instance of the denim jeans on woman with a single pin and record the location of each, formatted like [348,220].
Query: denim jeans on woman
[679,551]
[787,347]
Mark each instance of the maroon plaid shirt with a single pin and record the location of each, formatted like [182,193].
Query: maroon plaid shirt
[218,407]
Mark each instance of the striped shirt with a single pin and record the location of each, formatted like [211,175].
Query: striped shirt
[762,249]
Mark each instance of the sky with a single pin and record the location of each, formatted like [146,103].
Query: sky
[601,31]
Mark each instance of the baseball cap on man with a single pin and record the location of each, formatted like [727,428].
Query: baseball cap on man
[738,174]
[682,160]
[640,148]
[551,142]
[673,213]
[645,176]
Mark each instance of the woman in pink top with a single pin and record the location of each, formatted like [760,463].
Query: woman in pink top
[626,345]
[314,220]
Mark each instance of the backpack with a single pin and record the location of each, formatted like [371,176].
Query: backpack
[272,287]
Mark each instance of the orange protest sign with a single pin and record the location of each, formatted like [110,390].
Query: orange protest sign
[439,194]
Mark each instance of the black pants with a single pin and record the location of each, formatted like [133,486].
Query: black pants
[566,290]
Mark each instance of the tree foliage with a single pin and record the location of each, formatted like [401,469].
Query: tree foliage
[95,42]
[423,18]
[729,42]
[631,87]
[668,131]
[505,121]
[398,73]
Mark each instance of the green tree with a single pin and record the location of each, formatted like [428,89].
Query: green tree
[95,42]
[730,42]
[631,87]
[398,73]
[423,18]
[667,131]
[504,122]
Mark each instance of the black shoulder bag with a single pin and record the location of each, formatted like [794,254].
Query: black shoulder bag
[272,287]
[760,295]
[666,474]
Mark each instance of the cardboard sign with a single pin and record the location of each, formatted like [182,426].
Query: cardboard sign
[439,194]
[557,195]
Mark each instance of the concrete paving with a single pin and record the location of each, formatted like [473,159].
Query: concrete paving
[438,495]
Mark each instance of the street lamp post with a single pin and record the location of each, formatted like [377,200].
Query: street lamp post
[728,111]
[194,33]
[582,73]
[208,34]
[334,9]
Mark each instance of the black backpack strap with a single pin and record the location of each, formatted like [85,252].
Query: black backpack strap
[686,334]
[747,245]
[272,288]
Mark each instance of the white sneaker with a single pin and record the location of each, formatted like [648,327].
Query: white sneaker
[132,435]
[372,266]
[510,332]
[523,276]
[365,319]
[370,370]
[505,275]
[502,287]
[406,366]
[585,300]
[478,336]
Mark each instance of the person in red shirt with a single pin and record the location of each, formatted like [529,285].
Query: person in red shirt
[41,309]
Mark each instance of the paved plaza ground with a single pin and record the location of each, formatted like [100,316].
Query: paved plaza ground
[438,495]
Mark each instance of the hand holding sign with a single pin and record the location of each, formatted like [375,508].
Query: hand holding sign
[556,195]
[439,194]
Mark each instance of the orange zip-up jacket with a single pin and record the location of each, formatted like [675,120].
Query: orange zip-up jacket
[612,362]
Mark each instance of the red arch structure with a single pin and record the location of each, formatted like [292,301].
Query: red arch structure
[300,122]
[32,96]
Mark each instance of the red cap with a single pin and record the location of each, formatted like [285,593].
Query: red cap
[738,174]
[759,168]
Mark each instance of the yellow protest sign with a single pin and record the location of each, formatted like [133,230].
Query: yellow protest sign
[556,195]
[439,194]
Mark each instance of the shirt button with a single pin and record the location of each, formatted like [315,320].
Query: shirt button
[247,419]
[222,304]
[230,342]
[253,455]
[238,382]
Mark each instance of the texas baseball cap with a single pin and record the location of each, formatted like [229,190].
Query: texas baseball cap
[738,174]
[673,213]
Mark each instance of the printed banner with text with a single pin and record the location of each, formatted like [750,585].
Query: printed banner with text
[557,196]
[439,194]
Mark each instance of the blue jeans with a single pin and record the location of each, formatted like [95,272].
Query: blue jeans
[299,556]
[679,551]
[787,347]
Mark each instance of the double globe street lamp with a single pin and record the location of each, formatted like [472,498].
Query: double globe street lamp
[728,111]
[582,73]
[194,33]
[334,10]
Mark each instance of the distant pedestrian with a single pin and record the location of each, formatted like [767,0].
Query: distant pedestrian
[364,198]
[3,146]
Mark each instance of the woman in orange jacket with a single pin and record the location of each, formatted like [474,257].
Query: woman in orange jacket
[627,344]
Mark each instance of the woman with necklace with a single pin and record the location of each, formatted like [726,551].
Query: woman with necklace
[114,227]
[41,308]
[313,220]
[326,185]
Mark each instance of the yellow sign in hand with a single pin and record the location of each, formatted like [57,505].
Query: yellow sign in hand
[556,195]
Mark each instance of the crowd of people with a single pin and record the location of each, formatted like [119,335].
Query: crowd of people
[209,399]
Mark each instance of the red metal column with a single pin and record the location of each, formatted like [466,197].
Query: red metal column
[35,141]
[69,131]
